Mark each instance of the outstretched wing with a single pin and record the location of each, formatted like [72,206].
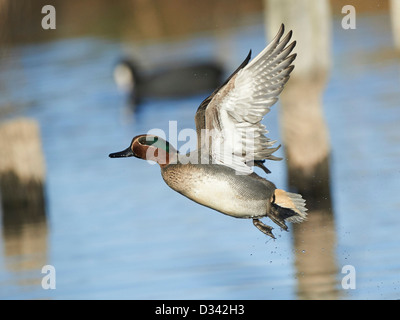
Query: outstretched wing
[200,117]
[235,134]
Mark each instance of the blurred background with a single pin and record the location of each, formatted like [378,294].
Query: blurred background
[112,229]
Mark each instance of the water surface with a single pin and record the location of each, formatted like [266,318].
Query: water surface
[115,230]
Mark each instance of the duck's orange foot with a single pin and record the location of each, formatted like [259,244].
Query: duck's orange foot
[263,228]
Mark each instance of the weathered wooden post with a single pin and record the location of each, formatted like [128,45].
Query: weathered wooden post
[306,140]
[395,19]
[22,173]
[304,132]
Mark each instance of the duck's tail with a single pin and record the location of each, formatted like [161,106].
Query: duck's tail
[289,207]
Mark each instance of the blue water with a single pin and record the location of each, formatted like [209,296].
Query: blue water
[116,231]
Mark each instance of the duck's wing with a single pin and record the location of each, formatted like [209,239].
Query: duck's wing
[232,117]
[200,118]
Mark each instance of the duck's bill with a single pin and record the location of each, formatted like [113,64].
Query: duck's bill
[124,153]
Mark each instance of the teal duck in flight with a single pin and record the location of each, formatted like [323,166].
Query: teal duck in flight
[230,142]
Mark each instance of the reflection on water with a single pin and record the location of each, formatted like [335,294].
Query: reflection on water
[25,251]
[116,231]
[315,255]
[26,247]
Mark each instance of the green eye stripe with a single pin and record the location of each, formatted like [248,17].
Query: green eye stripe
[156,142]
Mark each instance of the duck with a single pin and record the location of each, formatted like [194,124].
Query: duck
[173,81]
[231,142]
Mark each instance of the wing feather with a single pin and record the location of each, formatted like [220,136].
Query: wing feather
[233,113]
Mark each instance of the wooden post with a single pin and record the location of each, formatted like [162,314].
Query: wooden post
[22,172]
[304,133]
[306,140]
[395,17]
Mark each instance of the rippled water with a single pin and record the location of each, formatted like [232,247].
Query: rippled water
[115,230]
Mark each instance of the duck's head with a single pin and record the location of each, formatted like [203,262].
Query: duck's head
[148,147]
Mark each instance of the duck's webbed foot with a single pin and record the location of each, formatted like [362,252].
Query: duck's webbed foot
[260,164]
[278,215]
[263,228]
